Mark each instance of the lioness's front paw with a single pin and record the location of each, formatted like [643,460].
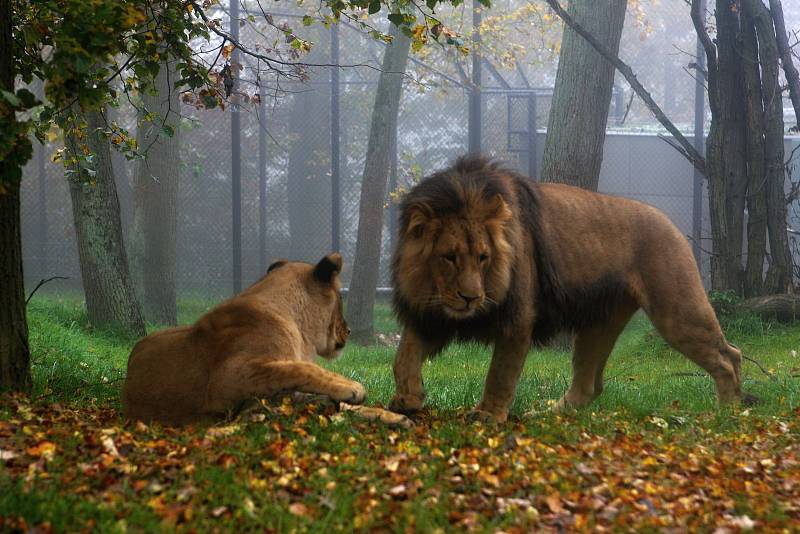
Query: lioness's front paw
[405,404]
[354,393]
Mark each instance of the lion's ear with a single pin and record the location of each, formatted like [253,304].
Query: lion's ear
[328,267]
[498,210]
[419,216]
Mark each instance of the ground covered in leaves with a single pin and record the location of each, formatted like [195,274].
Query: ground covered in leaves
[309,468]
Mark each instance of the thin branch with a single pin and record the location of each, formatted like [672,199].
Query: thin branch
[761,367]
[627,109]
[689,151]
[41,283]
[270,61]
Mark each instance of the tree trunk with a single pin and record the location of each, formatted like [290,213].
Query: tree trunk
[15,371]
[573,150]
[779,274]
[727,175]
[155,198]
[361,299]
[110,299]
[783,308]
[756,171]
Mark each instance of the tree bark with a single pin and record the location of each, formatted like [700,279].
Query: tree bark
[155,199]
[783,308]
[573,150]
[361,298]
[110,298]
[726,149]
[779,274]
[753,279]
[15,373]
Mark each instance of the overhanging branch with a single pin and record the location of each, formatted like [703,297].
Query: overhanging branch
[687,149]
[782,38]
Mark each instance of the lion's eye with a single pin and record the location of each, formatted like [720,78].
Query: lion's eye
[450,258]
[483,257]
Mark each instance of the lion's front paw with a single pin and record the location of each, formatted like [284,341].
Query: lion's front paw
[485,416]
[405,404]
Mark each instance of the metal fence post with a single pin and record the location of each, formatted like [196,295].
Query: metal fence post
[236,153]
[533,163]
[392,187]
[618,104]
[699,133]
[262,178]
[335,145]
[475,117]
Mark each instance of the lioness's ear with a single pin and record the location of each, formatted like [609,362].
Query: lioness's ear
[328,267]
[274,265]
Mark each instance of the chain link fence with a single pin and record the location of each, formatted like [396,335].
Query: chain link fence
[291,130]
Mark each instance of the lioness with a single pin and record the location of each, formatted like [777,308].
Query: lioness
[258,343]
[486,254]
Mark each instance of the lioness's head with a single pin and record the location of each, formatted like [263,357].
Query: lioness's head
[453,255]
[319,289]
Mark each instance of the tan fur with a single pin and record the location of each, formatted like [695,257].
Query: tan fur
[499,268]
[257,344]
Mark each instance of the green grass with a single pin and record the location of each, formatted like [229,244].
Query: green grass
[656,404]
[71,360]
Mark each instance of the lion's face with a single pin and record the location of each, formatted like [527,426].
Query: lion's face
[457,264]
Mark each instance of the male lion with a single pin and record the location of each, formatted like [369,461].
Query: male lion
[258,343]
[486,254]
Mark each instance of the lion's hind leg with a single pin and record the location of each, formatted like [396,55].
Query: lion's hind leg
[591,350]
[697,335]
[258,378]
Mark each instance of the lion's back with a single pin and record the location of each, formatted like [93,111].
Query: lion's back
[591,235]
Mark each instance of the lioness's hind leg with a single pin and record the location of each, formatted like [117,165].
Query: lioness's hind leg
[590,353]
[255,378]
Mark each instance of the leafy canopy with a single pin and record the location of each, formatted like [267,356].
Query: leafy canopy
[83,49]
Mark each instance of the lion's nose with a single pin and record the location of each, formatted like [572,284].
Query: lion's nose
[467,298]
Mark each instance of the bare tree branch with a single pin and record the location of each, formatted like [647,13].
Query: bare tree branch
[687,149]
[792,77]
[40,284]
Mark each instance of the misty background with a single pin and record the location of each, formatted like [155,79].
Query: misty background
[292,127]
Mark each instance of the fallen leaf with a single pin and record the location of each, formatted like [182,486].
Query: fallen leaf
[299,509]
[553,502]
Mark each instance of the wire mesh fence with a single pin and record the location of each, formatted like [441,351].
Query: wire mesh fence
[293,134]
